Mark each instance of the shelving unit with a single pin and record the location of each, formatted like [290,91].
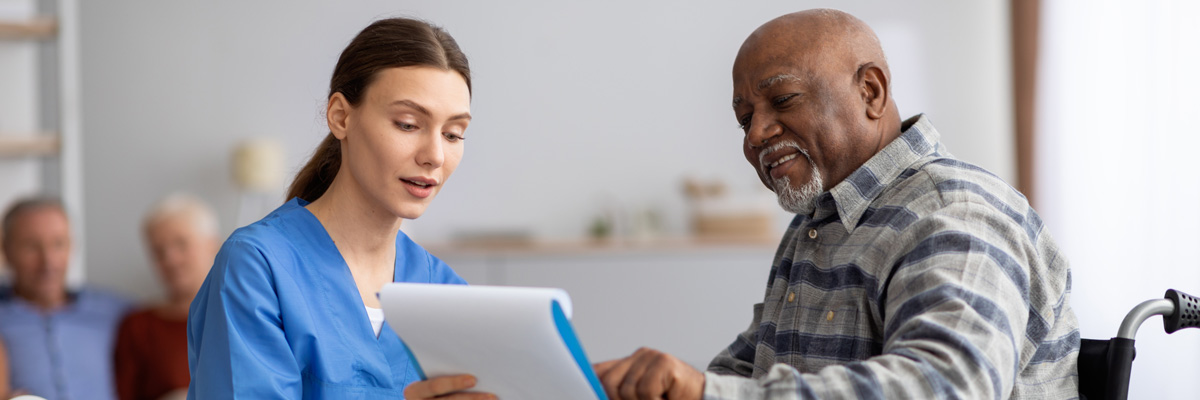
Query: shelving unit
[40,131]
[598,247]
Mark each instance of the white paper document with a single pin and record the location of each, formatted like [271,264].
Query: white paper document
[516,341]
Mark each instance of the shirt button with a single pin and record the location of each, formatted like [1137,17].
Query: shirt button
[812,233]
[791,297]
[829,317]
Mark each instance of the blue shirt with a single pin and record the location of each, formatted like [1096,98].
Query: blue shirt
[66,354]
[279,316]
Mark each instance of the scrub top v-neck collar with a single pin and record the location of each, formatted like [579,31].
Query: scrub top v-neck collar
[342,295]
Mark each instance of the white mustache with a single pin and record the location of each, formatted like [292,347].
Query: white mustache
[779,146]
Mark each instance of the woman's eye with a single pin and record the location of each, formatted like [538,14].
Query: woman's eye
[406,126]
[453,137]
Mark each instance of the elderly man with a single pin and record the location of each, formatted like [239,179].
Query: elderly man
[152,355]
[905,274]
[60,342]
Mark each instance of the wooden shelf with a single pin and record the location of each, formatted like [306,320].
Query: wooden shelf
[604,246]
[45,144]
[36,28]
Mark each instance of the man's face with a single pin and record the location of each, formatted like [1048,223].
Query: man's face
[802,124]
[38,250]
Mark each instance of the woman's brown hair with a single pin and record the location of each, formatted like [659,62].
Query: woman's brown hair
[387,43]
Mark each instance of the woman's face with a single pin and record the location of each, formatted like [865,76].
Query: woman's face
[182,253]
[405,137]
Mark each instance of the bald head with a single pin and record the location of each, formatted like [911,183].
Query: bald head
[815,84]
[821,40]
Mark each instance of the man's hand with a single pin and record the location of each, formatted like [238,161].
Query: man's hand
[445,387]
[650,374]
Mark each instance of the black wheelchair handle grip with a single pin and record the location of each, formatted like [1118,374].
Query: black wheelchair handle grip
[1187,311]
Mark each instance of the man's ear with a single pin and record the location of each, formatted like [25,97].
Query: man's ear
[337,115]
[873,84]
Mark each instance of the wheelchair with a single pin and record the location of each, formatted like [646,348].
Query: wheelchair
[1104,365]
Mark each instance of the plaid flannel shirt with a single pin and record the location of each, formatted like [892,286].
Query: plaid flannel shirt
[920,276]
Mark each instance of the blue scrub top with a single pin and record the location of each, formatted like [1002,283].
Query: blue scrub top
[279,316]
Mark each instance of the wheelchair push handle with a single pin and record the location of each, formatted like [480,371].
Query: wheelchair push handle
[1179,310]
[1187,311]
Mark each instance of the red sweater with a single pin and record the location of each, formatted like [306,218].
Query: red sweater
[151,356]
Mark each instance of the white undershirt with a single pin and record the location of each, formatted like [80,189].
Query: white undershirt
[376,316]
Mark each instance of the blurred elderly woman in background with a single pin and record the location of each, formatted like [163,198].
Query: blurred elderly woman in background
[151,354]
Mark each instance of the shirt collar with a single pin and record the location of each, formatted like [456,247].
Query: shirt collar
[850,198]
[8,294]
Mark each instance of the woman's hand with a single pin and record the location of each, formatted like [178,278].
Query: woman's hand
[445,387]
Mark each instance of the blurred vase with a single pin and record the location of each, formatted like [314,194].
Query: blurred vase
[258,165]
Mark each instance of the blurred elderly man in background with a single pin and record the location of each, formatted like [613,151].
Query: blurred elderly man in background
[906,273]
[151,356]
[59,341]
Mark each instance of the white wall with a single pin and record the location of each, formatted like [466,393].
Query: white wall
[1118,139]
[577,106]
[688,302]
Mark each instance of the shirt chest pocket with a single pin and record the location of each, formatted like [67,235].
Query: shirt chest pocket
[821,332]
[820,317]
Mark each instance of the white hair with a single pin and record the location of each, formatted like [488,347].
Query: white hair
[202,217]
[801,200]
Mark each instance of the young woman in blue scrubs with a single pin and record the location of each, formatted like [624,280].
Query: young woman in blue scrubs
[289,308]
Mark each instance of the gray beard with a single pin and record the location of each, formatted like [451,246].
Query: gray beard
[802,200]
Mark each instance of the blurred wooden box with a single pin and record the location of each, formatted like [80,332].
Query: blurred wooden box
[750,226]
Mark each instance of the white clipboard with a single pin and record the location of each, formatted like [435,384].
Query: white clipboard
[517,341]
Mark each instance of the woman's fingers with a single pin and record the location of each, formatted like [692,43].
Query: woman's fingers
[444,385]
